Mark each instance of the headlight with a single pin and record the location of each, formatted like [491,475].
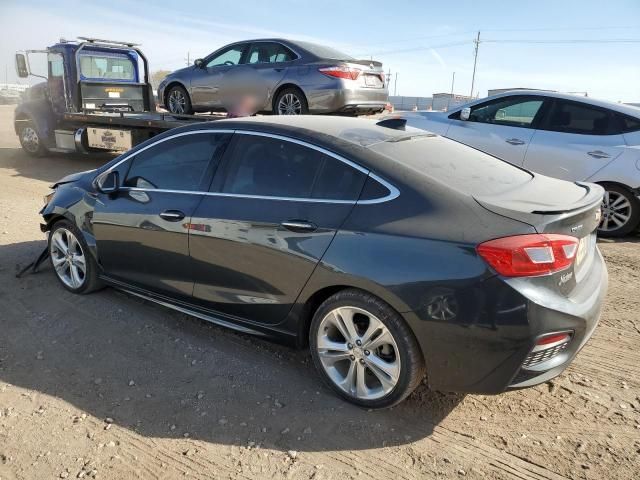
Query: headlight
[47,198]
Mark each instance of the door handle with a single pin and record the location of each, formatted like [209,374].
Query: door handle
[599,154]
[278,69]
[172,215]
[515,141]
[299,226]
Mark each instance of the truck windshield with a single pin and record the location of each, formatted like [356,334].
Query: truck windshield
[100,66]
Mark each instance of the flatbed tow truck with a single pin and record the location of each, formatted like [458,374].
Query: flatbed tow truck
[97,97]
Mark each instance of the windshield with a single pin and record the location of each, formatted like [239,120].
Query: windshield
[96,65]
[324,52]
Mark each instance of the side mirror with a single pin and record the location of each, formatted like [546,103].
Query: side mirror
[199,63]
[21,65]
[109,183]
[465,113]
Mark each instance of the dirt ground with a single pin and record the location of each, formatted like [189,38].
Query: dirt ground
[110,386]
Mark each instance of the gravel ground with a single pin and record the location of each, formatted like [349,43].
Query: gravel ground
[110,386]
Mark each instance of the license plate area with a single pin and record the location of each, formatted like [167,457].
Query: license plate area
[109,139]
[586,247]
[372,81]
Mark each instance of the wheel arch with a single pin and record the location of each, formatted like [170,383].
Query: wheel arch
[280,88]
[167,89]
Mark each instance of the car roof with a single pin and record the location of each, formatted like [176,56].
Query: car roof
[618,107]
[359,131]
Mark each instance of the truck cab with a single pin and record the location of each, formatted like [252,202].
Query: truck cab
[85,77]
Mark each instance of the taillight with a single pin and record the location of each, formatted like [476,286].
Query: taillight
[529,255]
[341,71]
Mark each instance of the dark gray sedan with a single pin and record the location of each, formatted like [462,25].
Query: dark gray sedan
[284,77]
[390,253]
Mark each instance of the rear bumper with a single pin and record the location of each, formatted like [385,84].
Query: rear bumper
[346,100]
[485,354]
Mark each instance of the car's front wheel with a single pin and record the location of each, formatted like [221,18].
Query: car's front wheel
[178,101]
[620,211]
[71,260]
[364,350]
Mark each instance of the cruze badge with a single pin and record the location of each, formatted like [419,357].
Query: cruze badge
[576,228]
[565,278]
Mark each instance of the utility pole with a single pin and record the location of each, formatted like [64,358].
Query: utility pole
[188,59]
[395,86]
[453,82]
[475,61]
[388,79]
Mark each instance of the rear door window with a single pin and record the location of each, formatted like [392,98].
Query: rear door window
[184,163]
[574,117]
[269,52]
[272,167]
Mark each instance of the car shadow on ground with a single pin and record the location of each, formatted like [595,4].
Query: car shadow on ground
[164,374]
[50,167]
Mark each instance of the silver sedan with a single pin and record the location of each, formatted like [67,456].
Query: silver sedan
[559,135]
[283,77]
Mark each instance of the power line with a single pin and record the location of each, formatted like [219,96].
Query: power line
[417,49]
[566,41]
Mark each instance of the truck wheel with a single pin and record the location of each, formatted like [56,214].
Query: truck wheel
[290,101]
[178,101]
[30,140]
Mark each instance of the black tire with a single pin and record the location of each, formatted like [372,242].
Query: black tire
[178,93]
[295,93]
[632,212]
[412,366]
[30,139]
[90,282]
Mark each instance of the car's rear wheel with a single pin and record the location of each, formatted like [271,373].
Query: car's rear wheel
[30,140]
[178,101]
[620,212]
[72,263]
[364,350]
[291,101]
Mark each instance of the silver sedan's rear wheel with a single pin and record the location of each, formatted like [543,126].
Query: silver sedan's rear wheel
[364,349]
[291,101]
[70,258]
[620,212]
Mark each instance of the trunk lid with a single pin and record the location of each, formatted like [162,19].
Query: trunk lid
[372,75]
[550,205]
[555,206]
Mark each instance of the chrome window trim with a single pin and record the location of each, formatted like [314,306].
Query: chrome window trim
[393,191]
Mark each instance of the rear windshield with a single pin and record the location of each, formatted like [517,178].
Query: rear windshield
[99,66]
[458,166]
[321,51]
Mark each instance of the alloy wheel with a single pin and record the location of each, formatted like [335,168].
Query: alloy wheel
[30,139]
[68,258]
[289,104]
[177,101]
[358,353]
[616,211]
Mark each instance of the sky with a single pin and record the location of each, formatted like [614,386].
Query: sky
[581,46]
